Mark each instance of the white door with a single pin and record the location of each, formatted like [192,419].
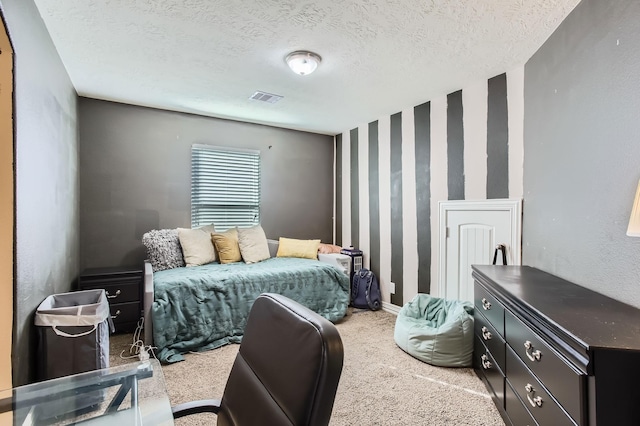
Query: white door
[470,232]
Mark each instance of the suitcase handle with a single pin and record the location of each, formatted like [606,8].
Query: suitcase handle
[63,334]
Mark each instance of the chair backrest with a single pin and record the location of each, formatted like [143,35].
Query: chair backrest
[287,369]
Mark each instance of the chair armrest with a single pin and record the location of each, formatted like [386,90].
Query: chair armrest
[196,407]
[147,303]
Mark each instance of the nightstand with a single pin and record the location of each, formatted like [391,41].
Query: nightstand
[123,286]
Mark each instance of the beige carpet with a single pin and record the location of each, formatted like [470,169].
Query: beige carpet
[380,384]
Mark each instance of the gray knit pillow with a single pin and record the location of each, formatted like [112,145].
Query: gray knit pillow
[163,249]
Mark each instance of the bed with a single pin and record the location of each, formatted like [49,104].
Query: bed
[205,307]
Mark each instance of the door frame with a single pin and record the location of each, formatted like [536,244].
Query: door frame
[7,207]
[513,206]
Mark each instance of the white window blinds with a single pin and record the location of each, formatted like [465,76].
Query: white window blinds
[225,187]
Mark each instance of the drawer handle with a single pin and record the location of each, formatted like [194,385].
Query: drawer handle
[536,401]
[486,304]
[114,296]
[486,334]
[486,364]
[116,315]
[531,354]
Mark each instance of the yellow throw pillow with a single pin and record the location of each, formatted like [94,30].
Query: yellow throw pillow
[307,249]
[227,246]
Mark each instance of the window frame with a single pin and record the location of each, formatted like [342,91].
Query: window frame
[240,179]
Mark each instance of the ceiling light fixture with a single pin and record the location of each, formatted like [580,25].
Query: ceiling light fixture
[303,62]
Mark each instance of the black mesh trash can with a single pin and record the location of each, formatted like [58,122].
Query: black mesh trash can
[73,333]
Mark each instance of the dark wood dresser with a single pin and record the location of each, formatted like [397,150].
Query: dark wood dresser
[554,353]
[123,286]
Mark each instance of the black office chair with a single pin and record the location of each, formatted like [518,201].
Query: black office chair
[286,371]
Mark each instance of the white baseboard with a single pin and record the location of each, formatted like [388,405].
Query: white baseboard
[391,308]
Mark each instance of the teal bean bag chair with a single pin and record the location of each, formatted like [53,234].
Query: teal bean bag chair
[436,331]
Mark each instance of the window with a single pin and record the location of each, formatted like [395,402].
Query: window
[225,187]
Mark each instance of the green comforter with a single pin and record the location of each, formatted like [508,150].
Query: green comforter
[205,307]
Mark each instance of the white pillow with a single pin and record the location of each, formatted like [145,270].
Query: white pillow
[197,247]
[253,244]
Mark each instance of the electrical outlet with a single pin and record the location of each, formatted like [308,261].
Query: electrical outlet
[392,288]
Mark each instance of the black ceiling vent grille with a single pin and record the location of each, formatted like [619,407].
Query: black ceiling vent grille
[266,97]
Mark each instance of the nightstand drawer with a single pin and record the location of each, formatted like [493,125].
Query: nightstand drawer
[125,312]
[561,378]
[544,409]
[490,308]
[120,292]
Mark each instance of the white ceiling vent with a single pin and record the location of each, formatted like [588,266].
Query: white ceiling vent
[266,97]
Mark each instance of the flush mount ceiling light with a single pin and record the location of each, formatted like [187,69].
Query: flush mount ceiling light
[303,62]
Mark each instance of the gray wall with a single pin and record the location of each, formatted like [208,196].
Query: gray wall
[582,149]
[135,166]
[47,188]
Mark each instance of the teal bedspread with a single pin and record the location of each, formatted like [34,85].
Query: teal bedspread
[205,307]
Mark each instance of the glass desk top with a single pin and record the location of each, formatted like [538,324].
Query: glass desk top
[129,394]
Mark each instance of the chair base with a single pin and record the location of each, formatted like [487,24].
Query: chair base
[196,407]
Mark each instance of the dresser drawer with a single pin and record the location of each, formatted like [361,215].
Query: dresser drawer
[490,308]
[120,292]
[486,366]
[544,409]
[562,379]
[517,412]
[490,337]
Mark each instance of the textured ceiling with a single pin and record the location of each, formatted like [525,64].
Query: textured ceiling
[208,57]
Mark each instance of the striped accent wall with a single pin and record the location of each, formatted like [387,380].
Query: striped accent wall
[392,172]
[355,188]
[422,126]
[337,220]
[455,146]
[371,255]
[497,138]
[396,207]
